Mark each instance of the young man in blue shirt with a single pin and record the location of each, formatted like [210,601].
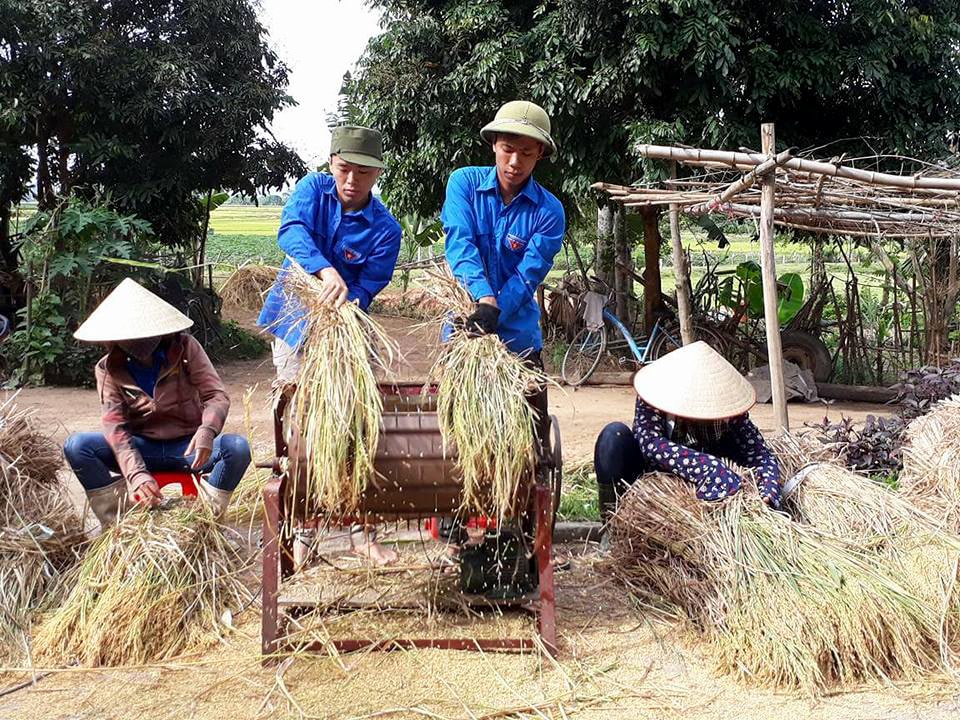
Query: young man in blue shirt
[335,228]
[503,230]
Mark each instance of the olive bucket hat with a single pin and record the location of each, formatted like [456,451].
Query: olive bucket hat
[358,145]
[519,117]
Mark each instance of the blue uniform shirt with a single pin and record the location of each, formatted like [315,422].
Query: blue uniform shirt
[362,246]
[503,250]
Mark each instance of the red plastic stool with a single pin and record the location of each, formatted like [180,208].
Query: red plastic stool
[186,481]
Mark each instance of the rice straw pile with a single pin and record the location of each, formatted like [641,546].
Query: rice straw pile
[147,589]
[482,406]
[931,460]
[784,603]
[337,406]
[39,528]
[247,285]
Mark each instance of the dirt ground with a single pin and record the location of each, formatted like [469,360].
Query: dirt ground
[617,660]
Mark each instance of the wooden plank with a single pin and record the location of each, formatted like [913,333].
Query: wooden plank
[856,393]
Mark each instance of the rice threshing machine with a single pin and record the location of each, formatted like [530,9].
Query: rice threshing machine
[416,480]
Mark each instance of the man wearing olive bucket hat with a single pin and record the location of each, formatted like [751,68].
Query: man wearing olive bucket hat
[691,411]
[163,408]
[503,230]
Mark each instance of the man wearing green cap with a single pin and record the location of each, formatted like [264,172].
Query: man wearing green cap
[503,230]
[335,228]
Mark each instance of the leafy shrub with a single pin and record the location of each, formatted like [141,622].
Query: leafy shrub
[875,449]
[922,388]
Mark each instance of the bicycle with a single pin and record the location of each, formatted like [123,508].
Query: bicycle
[589,344]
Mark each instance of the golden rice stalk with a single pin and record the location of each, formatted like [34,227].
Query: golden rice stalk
[24,445]
[247,285]
[147,589]
[856,508]
[39,528]
[782,602]
[482,406]
[931,455]
[337,407]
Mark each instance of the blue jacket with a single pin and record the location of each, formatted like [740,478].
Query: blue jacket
[503,250]
[362,246]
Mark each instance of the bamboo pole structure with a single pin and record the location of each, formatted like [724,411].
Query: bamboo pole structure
[812,167]
[680,271]
[768,268]
[744,183]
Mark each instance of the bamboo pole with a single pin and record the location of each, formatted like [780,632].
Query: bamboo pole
[768,268]
[812,167]
[680,271]
[744,183]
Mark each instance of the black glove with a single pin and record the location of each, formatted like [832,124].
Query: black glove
[483,321]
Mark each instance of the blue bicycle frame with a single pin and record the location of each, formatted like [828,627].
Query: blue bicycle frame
[640,352]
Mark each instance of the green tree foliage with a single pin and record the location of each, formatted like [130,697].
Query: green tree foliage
[615,73]
[154,101]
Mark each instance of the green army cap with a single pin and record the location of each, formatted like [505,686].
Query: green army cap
[358,145]
[519,117]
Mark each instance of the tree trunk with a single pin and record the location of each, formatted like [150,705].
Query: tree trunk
[605,253]
[202,247]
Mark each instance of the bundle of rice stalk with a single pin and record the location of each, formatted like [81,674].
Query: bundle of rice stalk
[247,285]
[40,528]
[781,602]
[149,588]
[33,560]
[482,406]
[808,611]
[35,455]
[856,508]
[337,407]
[931,455]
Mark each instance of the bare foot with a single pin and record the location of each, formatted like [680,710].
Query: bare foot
[376,553]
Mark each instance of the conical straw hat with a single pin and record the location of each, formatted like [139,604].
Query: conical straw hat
[695,382]
[131,312]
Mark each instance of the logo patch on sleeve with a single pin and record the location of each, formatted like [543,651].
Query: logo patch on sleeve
[350,255]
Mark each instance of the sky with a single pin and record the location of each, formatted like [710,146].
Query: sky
[319,40]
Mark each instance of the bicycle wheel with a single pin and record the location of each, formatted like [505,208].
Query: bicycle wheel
[583,356]
[668,340]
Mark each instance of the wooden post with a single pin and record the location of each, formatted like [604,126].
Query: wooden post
[680,271]
[768,267]
[652,289]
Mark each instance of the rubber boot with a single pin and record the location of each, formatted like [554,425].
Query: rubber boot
[607,497]
[108,502]
[216,499]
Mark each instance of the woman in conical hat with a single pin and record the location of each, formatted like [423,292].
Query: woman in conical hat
[163,408]
[691,411]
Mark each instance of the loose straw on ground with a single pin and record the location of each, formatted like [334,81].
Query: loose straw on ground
[482,406]
[337,406]
[147,590]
